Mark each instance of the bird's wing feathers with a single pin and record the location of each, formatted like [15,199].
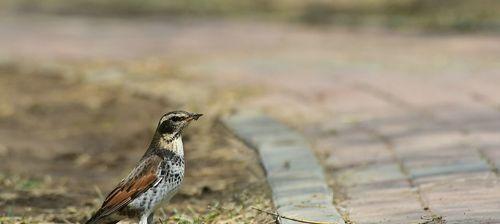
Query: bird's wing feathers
[138,181]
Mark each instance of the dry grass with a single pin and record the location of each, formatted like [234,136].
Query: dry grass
[65,141]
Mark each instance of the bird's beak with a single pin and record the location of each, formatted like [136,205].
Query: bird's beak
[195,116]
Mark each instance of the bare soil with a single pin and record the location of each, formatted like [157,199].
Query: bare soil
[64,144]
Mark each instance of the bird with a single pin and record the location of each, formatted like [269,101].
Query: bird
[154,180]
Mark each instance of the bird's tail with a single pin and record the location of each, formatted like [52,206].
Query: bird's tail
[93,220]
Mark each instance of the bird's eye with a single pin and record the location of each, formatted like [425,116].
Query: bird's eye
[176,119]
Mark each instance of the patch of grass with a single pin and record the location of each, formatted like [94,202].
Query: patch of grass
[236,210]
[209,216]
[16,182]
[459,15]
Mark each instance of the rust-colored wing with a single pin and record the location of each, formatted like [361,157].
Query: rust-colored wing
[138,181]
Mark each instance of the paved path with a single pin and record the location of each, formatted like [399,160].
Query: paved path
[297,181]
[406,125]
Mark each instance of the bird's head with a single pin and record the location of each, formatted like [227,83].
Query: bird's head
[172,123]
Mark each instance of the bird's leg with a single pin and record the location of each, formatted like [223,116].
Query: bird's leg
[146,219]
[150,218]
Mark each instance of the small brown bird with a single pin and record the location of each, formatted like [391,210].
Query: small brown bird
[155,179]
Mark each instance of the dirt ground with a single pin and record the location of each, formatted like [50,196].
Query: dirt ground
[65,143]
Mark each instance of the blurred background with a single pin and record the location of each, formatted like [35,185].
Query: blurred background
[83,84]
[451,15]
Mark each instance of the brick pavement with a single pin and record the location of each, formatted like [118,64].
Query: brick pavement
[455,179]
[436,150]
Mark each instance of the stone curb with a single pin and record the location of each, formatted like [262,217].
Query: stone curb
[296,179]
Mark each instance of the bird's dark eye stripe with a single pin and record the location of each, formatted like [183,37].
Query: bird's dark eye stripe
[177,118]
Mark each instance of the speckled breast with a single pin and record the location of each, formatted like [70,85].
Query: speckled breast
[170,176]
